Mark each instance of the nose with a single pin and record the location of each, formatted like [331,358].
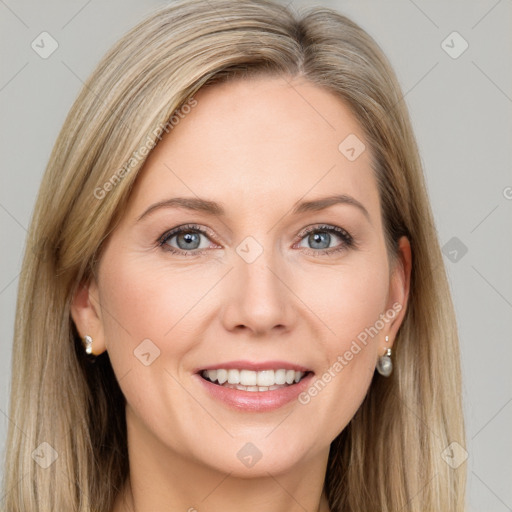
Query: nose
[258,298]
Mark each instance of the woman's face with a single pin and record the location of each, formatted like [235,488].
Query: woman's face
[267,274]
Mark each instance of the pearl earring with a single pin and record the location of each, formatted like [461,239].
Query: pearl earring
[384,363]
[88,344]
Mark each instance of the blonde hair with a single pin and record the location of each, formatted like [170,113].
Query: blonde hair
[388,458]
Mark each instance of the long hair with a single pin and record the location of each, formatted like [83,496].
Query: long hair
[389,457]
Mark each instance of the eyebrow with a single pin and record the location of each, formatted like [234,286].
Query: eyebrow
[212,208]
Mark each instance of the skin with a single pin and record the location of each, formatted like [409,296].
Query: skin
[257,147]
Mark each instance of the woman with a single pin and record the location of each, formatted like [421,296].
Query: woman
[237,299]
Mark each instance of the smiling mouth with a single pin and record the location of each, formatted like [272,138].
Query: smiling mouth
[249,380]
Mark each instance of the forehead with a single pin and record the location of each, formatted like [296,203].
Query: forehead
[261,141]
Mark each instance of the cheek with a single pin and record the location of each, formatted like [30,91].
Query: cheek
[351,303]
[144,313]
[143,302]
[145,323]
[357,312]
[348,299]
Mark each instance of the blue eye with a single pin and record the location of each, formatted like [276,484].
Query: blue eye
[320,237]
[188,240]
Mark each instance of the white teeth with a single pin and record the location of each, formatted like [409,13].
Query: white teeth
[233,376]
[247,377]
[280,376]
[248,380]
[222,376]
[265,378]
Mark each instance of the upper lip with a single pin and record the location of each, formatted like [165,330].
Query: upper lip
[255,366]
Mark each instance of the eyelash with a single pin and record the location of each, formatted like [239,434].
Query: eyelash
[348,240]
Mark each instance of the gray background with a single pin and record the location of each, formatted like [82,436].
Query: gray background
[461,112]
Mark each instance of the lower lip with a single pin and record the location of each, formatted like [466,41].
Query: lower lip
[256,401]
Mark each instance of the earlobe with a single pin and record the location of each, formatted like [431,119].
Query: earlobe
[86,314]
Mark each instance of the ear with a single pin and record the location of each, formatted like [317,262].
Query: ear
[86,313]
[399,285]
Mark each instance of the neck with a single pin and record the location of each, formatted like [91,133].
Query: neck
[282,501]
[162,479]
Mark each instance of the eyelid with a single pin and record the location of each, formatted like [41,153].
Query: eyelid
[325,227]
[186,227]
